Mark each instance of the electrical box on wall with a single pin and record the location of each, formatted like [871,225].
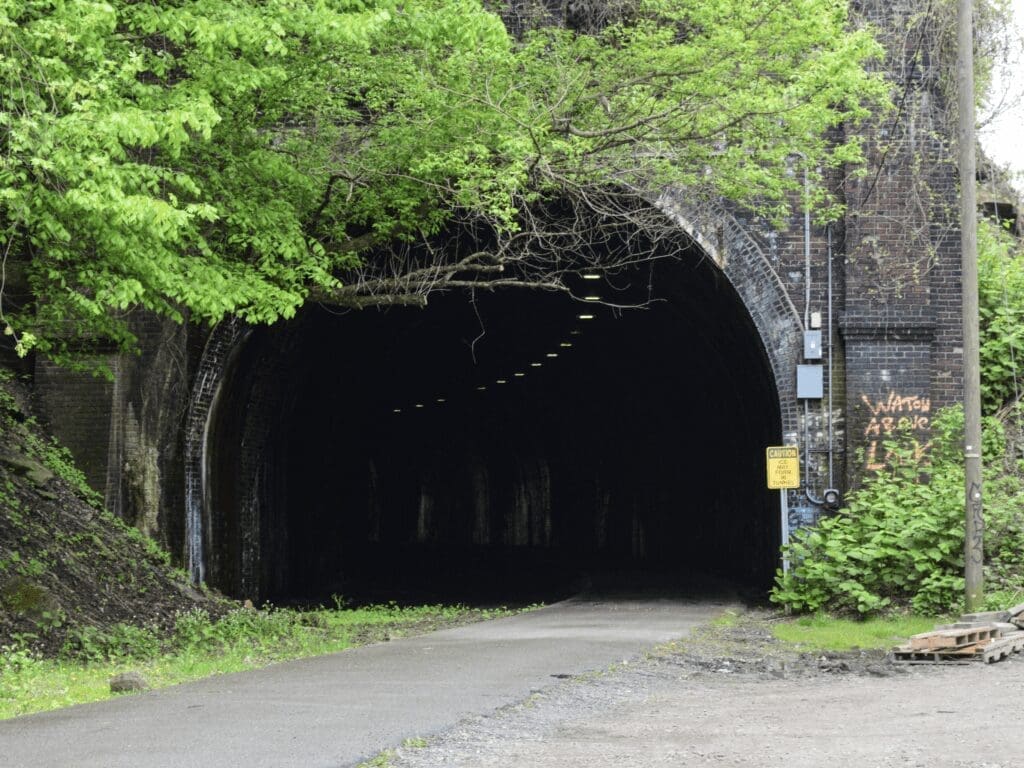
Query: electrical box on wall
[812,345]
[802,516]
[810,383]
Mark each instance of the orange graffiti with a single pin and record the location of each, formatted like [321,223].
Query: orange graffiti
[895,413]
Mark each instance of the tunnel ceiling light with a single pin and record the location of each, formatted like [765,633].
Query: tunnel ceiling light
[565,344]
[501,381]
[591,298]
[551,354]
[481,389]
[575,332]
[585,317]
[440,399]
[591,276]
[397,410]
[518,374]
[419,405]
[536,365]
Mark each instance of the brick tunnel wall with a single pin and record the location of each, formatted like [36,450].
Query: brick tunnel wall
[126,434]
[902,319]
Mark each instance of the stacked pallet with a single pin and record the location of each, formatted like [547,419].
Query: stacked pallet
[987,637]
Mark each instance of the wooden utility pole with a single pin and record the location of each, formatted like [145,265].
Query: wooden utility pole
[974,530]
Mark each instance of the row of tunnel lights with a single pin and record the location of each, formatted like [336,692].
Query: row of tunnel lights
[521,374]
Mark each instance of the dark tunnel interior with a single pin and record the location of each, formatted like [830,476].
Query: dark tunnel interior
[510,446]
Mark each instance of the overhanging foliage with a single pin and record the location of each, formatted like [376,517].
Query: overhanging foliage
[207,158]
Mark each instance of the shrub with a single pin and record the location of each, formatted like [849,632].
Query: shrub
[899,542]
[1001,310]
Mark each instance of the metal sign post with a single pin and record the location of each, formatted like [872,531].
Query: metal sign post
[784,517]
[783,468]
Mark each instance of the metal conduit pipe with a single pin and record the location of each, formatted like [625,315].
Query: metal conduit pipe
[807,324]
[807,248]
[831,433]
[830,498]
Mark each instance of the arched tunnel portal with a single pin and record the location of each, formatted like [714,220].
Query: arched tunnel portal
[511,445]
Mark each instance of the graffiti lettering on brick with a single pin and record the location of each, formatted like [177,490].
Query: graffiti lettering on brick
[891,414]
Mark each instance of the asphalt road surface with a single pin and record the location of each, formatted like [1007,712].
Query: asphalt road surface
[341,709]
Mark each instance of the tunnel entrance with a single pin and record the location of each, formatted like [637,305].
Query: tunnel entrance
[514,445]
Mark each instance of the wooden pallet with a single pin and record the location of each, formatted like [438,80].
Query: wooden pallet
[999,649]
[949,639]
[909,655]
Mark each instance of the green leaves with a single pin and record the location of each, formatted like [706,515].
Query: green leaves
[721,108]
[205,158]
[1001,307]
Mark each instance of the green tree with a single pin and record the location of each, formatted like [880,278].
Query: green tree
[1001,309]
[207,158]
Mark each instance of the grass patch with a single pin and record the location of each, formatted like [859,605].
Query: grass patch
[200,646]
[821,632]
[729,618]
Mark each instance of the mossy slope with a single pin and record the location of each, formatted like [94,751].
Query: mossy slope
[65,563]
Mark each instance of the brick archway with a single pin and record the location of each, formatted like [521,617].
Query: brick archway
[742,258]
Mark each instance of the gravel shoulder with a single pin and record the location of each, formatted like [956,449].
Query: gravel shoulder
[733,696]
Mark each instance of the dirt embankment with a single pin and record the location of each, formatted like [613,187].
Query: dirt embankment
[64,562]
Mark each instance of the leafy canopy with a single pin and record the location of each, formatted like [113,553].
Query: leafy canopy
[1001,309]
[212,158]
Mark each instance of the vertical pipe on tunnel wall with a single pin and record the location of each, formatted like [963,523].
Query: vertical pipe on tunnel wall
[831,413]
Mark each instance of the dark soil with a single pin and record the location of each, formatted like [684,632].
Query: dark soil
[64,562]
[747,646]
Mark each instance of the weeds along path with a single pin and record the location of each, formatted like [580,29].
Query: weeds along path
[341,709]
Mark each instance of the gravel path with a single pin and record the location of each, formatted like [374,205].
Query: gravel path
[734,698]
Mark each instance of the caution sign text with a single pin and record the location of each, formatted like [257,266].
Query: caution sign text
[783,467]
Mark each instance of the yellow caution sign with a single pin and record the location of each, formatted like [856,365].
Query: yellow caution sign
[783,467]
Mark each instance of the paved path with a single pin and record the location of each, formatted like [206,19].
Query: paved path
[341,709]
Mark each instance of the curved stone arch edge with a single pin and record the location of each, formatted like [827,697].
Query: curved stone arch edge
[743,262]
[736,254]
[222,348]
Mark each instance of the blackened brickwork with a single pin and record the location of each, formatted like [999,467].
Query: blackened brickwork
[902,318]
[144,483]
[746,259]
[77,409]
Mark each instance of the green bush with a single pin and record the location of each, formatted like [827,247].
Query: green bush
[1001,310]
[899,541]
[17,666]
[262,629]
